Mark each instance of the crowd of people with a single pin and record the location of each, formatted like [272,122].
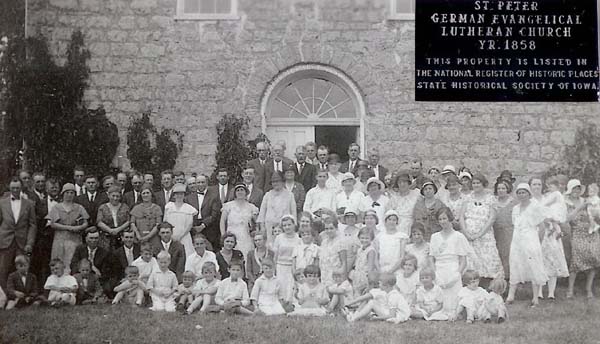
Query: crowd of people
[309,237]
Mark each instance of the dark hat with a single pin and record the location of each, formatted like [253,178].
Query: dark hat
[289,167]
[507,175]
[242,186]
[428,182]
[276,177]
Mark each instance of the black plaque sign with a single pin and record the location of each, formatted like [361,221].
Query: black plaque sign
[478,50]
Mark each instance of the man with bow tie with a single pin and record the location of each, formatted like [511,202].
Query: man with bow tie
[42,249]
[17,228]
[207,202]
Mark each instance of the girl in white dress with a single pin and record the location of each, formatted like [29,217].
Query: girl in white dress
[181,216]
[237,217]
[284,247]
[448,250]
[390,244]
[526,260]
[365,265]
[419,247]
[407,278]
[552,246]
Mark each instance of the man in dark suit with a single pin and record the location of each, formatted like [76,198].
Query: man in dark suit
[277,162]
[40,258]
[102,261]
[416,174]
[223,188]
[175,249]
[165,194]
[255,194]
[206,201]
[133,197]
[259,165]
[26,185]
[92,198]
[353,155]
[39,187]
[17,229]
[380,171]
[126,254]
[79,180]
[306,174]
[323,157]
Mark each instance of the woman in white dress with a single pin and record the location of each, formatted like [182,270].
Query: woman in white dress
[239,217]
[477,219]
[403,202]
[448,252]
[181,216]
[526,260]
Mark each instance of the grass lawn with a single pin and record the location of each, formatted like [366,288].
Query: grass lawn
[564,321]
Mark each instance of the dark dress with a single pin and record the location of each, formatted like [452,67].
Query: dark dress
[224,266]
[107,241]
[427,216]
[585,247]
[503,231]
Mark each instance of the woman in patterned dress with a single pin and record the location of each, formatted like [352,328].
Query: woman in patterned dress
[112,219]
[145,218]
[477,218]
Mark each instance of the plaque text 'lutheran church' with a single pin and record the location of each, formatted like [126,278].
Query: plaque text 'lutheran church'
[507,50]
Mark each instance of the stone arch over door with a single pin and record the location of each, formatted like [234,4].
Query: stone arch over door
[304,99]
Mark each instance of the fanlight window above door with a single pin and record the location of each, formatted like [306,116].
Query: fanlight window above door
[312,98]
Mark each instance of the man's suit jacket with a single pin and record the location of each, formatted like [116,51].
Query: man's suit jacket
[121,259]
[382,172]
[15,283]
[129,199]
[159,198]
[214,190]
[103,260]
[259,173]
[346,164]
[177,253]
[270,168]
[256,196]
[299,196]
[92,207]
[21,230]
[210,209]
[308,177]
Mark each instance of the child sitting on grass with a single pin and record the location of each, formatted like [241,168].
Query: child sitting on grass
[184,295]
[312,294]
[386,302]
[205,289]
[407,278]
[267,294]
[494,304]
[146,263]
[131,290]
[89,289]
[22,287]
[340,291]
[430,298]
[162,285]
[62,287]
[472,298]
[232,293]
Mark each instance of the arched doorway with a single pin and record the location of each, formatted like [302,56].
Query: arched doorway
[313,102]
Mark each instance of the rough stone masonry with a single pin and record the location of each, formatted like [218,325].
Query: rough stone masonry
[190,73]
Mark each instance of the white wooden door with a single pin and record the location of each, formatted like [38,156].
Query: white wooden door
[292,136]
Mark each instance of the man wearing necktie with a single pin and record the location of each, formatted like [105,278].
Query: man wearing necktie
[39,187]
[206,201]
[223,184]
[42,249]
[323,156]
[306,174]
[125,254]
[311,153]
[351,164]
[79,180]
[255,195]
[17,229]
[275,164]
[259,164]
[133,197]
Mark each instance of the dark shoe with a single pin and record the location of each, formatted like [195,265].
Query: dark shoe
[500,320]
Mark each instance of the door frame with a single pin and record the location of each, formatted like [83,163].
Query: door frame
[332,74]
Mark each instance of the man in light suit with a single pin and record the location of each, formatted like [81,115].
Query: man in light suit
[277,163]
[259,165]
[255,194]
[380,171]
[165,194]
[353,154]
[306,174]
[17,229]
[133,197]
[207,202]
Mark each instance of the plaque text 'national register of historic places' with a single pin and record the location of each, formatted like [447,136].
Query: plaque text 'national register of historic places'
[476,50]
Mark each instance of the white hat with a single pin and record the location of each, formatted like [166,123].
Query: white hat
[523,186]
[389,213]
[376,181]
[572,184]
[449,169]
[465,174]
[348,176]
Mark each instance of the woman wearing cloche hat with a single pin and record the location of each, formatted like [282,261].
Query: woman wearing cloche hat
[375,199]
[526,260]
[181,216]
